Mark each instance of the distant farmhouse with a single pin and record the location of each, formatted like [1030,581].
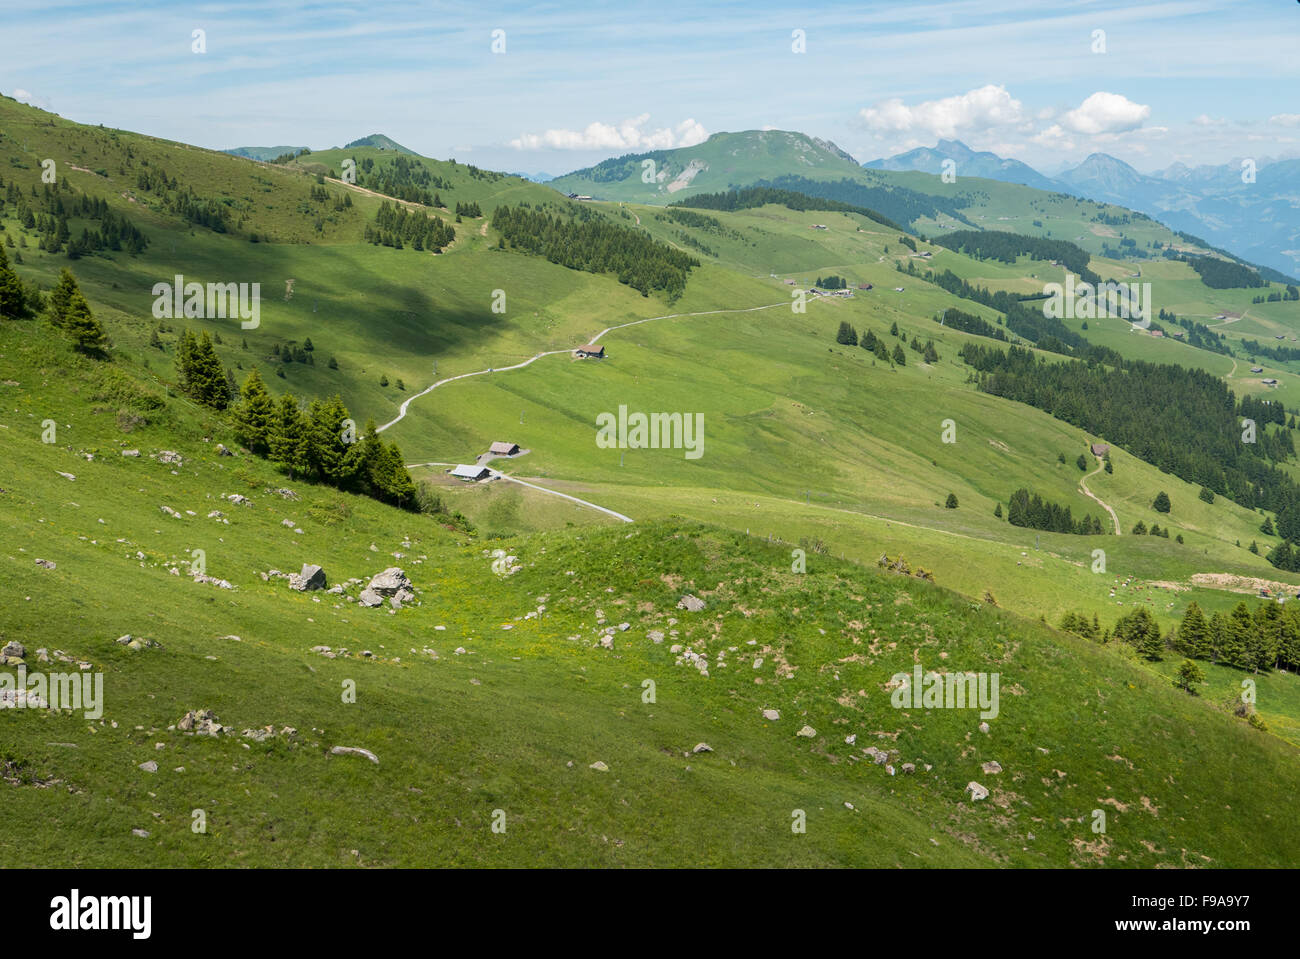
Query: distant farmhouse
[471,473]
[864,286]
[1100,449]
[591,350]
[1257,369]
[503,449]
[1269,382]
[579,196]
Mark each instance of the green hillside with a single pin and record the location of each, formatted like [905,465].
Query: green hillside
[813,452]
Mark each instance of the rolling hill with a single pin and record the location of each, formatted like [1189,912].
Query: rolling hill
[828,538]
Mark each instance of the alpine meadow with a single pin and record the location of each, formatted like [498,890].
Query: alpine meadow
[842,456]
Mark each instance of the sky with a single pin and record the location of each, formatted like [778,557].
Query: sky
[552,87]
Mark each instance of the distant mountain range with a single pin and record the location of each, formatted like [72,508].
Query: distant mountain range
[1259,221]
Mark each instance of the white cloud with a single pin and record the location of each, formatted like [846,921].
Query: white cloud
[1106,113]
[627,135]
[1205,120]
[979,109]
[1286,119]
[21,94]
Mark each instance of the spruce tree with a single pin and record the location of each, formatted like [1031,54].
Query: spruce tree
[59,302]
[255,416]
[13,299]
[87,334]
[1194,633]
[288,438]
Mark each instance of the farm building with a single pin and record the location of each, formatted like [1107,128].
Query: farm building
[1100,449]
[503,449]
[1257,369]
[590,350]
[1157,332]
[864,286]
[1269,382]
[471,473]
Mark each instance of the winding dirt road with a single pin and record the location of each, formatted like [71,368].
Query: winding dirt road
[1083,488]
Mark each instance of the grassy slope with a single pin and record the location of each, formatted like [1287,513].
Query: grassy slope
[1080,728]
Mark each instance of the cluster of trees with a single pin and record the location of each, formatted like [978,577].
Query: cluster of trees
[200,211]
[595,245]
[405,179]
[1277,296]
[848,336]
[747,198]
[969,323]
[1007,247]
[1140,529]
[1224,274]
[831,283]
[1034,512]
[1047,333]
[1198,334]
[319,444]
[59,202]
[69,312]
[928,352]
[199,373]
[468,209]
[398,227]
[1267,638]
[1182,421]
[1281,354]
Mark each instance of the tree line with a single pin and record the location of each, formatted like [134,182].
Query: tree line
[1006,247]
[595,245]
[1182,421]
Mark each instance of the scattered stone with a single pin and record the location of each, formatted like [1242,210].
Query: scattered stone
[992,766]
[142,833]
[170,456]
[170,512]
[14,649]
[807,732]
[850,740]
[771,715]
[599,766]
[624,627]
[908,768]
[130,452]
[237,499]
[149,767]
[607,642]
[355,751]
[977,792]
[390,581]
[201,722]
[369,597]
[311,577]
[656,635]
[223,451]
[984,728]
[702,748]
[66,476]
[46,564]
[690,603]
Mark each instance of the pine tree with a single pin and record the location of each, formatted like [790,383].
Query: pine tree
[288,437]
[1236,637]
[13,299]
[87,333]
[931,355]
[1161,504]
[997,511]
[1194,633]
[59,302]
[1081,463]
[1190,675]
[951,501]
[846,336]
[202,376]
[255,416]
[900,358]
[326,449]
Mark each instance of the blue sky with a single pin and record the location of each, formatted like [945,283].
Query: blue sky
[1201,81]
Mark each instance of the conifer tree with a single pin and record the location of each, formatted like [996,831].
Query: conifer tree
[87,333]
[255,416]
[13,299]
